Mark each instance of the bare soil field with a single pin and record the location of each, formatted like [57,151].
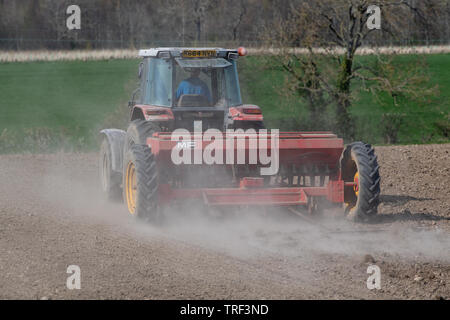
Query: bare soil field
[52,215]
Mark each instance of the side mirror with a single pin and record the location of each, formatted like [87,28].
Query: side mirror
[141,70]
[133,98]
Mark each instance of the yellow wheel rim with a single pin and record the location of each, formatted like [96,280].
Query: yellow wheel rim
[356,181]
[131,187]
[350,205]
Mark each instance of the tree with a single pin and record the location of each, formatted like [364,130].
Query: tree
[332,34]
[116,23]
[239,8]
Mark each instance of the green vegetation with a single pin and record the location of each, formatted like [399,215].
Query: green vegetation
[426,122]
[60,104]
[47,106]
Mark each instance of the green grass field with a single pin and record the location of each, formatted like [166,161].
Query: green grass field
[264,86]
[47,102]
[70,98]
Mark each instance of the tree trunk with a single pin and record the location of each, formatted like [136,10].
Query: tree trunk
[344,121]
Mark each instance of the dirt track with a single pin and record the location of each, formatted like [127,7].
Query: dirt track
[51,216]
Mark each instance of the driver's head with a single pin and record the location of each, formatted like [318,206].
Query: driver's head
[195,73]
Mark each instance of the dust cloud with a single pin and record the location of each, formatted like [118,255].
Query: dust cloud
[69,184]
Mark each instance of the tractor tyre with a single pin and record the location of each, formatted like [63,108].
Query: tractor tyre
[110,180]
[138,131]
[140,183]
[359,165]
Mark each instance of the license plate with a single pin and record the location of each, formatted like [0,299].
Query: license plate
[198,53]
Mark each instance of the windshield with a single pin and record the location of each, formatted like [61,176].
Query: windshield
[212,82]
[220,85]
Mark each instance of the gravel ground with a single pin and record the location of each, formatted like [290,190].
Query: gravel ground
[52,215]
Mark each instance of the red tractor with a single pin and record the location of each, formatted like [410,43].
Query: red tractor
[189,107]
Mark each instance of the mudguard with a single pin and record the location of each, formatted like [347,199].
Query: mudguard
[116,139]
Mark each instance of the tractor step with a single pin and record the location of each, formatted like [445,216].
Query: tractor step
[255,197]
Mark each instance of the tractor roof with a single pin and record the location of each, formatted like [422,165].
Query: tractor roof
[187,52]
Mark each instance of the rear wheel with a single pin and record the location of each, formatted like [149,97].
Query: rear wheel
[141,183]
[359,165]
[139,131]
[109,179]
[140,175]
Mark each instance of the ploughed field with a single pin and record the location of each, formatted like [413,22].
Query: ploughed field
[52,215]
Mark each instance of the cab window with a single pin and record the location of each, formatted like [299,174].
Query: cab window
[158,91]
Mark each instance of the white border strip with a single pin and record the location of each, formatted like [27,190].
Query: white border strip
[86,55]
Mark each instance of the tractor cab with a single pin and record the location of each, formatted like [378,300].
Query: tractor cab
[183,85]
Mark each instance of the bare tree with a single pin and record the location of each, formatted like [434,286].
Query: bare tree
[325,75]
[129,22]
[199,10]
[55,14]
[241,10]
[13,17]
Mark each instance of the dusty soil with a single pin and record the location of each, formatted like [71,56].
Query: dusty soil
[52,215]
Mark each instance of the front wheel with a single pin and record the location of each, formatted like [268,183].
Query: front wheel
[140,183]
[109,179]
[359,165]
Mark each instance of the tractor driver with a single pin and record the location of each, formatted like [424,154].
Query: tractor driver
[194,85]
